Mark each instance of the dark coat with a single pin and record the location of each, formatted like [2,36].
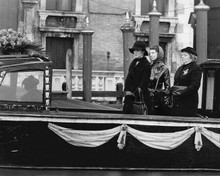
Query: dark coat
[186,103]
[138,76]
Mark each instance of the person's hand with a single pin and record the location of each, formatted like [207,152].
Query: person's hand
[128,93]
[176,93]
[152,93]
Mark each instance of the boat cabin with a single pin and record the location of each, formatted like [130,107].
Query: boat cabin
[210,99]
[25,82]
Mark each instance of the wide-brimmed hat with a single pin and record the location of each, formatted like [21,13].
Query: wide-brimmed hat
[189,50]
[139,45]
[30,82]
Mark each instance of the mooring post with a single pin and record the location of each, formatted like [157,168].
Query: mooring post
[128,40]
[201,31]
[87,61]
[69,67]
[154,25]
[119,88]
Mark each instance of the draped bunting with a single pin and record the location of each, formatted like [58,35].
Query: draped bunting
[198,138]
[85,138]
[213,137]
[162,141]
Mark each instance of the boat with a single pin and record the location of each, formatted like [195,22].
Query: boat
[47,130]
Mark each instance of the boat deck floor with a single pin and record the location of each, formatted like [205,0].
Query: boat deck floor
[81,105]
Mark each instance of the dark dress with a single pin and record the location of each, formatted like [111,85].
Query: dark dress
[139,76]
[186,103]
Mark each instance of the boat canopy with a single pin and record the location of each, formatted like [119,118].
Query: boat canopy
[25,82]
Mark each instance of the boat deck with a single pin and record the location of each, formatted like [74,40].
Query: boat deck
[77,111]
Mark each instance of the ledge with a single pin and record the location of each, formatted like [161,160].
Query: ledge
[171,20]
[44,14]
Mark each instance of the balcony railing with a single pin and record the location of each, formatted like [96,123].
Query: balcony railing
[101,80]
[104,84]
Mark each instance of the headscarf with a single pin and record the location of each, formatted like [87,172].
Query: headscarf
[158,64]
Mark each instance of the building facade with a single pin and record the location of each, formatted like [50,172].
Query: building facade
[58,25]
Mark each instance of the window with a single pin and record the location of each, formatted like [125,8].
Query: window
[22,87]
[63,5]
[147,6]
[210,90]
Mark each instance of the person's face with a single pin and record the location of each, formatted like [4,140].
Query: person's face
[138,53]
[185,57]
[153,55]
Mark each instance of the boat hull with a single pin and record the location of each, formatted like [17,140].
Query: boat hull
[33,144]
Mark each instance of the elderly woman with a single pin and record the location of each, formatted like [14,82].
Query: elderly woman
[159,84]
[138,75]
[186,84]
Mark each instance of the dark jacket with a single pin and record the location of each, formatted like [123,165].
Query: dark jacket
[138,76]
[186,103]
[163,83]
[157,104]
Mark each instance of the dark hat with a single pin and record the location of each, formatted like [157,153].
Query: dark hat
[139,45]
[30,82]
[189,50]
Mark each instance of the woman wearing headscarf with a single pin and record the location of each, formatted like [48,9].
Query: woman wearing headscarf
[186,84]
[138,74]
[159,84]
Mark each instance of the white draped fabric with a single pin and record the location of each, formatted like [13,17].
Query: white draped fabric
[162,141]
[198,138]
[84,138]
[213,137]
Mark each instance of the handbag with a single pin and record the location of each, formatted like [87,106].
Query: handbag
[135,104]
[177,90]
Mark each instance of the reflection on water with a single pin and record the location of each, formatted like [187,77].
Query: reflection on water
[42,172]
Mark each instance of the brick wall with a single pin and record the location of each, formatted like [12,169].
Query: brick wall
[107,38]
[106,19]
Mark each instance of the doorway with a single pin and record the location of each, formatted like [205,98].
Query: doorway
[56,48]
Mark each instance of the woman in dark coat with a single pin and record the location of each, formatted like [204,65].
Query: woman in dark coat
[138,73]
[185,99]
[159,85]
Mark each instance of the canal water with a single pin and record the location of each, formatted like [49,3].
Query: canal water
[43,172]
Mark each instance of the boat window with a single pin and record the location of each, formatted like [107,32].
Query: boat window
[217,92]
[200,93]
[22,87]
[210,89]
